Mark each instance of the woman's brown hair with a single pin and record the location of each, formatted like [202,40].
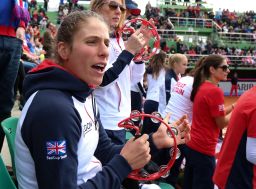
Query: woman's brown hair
[157,63]
[70,25]
[202,72]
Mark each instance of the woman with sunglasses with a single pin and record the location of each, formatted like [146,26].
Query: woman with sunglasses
[209,116]
[113,96]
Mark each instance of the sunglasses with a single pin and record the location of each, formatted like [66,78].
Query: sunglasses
[114,5]
[224,67]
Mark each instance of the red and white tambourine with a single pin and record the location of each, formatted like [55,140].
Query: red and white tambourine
[128,28]
[135,122]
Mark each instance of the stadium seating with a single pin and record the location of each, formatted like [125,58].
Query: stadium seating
[6,181]
[9,126]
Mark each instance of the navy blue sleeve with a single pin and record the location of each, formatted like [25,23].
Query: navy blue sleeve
[52,120]
[168,78]
[112,73]
[62,123]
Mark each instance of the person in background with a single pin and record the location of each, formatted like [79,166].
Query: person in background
[46,5]
[180,104]
[137,91]
[234,85]
[60,129]
[155,74]
[48,39]
[13,20]
[113,97]
[209,116]
[132,10]
[177,65]
[236,163]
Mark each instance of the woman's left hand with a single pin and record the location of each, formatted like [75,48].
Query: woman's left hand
[163,140]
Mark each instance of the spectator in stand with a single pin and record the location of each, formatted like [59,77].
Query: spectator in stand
[186,3]
[13,20]
[234,85]
[48,39]
[46,5]
[28,59]
[236,163]
[43,23]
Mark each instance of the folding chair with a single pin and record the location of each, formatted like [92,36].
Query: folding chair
[9,126]
[6,181]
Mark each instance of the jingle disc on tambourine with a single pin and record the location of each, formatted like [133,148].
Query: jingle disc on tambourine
[164,169]
[178,154]
[134,117]
[158,115]
[154,43]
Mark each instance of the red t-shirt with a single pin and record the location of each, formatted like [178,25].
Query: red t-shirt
[233,169]
[208,104]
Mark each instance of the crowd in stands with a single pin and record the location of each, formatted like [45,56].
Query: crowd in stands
[64,9]
[236,56]
[236,22]
[228,21]
[38,43]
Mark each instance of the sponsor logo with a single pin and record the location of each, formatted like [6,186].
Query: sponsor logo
[87,128]
[221,108]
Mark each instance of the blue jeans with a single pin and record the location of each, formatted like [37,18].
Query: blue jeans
[28,65]
[10,53]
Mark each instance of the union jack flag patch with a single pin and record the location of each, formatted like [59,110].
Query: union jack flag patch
[56,148]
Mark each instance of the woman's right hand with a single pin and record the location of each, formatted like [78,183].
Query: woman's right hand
[135,42]
[137,152]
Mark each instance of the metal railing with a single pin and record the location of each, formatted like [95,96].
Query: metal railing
[192,22]
[167,34]
[237,37]
[240,61]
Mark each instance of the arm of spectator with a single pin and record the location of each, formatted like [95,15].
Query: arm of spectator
[230,108]
[118,66]
[137,72]
[20,33]
[170,23]
[222,121]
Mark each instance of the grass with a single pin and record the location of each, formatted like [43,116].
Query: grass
[52,16]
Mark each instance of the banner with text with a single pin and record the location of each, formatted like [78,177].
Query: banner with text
[243,86]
